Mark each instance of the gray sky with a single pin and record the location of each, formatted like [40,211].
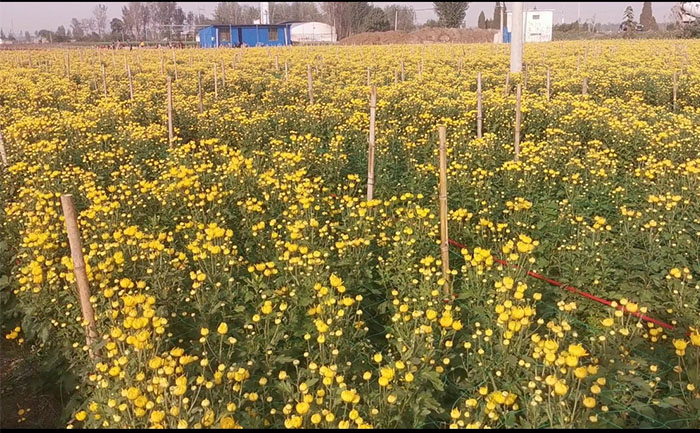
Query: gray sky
[31,16]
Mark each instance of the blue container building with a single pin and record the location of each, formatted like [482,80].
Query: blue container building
[252,35]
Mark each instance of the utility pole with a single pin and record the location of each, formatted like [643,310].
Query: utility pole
[516,41]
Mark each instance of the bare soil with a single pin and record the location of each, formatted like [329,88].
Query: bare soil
[23,404]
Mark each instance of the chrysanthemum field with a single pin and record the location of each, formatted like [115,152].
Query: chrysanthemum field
[240,278]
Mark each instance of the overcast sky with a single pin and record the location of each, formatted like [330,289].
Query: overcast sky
[31,16]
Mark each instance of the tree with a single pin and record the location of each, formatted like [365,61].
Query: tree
[60,35]
[77,28]
[135,16]
[481,22]
[646,18]
[497,15]
[451,14]
[628,23]
[27,36]
[100,14]
[294,11]
[117,27]
[376,21]
[233,13]
[347,17]
[406,17]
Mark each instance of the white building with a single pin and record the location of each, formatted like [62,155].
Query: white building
[310,32]
[537,25]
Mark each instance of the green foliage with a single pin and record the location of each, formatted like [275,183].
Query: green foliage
[451,14]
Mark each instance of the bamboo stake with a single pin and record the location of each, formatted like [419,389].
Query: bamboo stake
[675,89]
[479,113]
[114,61]
[199,90]
[174,64]
[311,86]
[286,71]
[131,83]
[171,134]
[549,81]
[396,77]
[370,152]
[444,247]
[104,79]
[369,83]
[216,84]
[507,90]
[402,71]
[162,64]
[68,66]
[517,122]
[525,76]
[3,154]
[277,63]
[223,75]
[190,60]
[584,86]
[76,252]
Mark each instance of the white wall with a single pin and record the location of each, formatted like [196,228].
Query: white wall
[537,25]
[313,32]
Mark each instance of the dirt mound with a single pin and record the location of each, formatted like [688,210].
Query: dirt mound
[422,36]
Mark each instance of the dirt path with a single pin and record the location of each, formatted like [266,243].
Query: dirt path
[23,402]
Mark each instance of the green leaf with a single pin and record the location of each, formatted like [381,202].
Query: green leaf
[434,378]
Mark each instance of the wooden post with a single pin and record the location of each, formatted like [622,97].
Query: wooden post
[171,134]
[516,137]
[675,89]
[479,113]
[444,246]
[3,154]
[507,90]
[549,83]
[104,78]
[199,91]
[174,63]
[216,84]
[76,252]
[286,71]
[311,85]
[584,86]
[223,75]
[131,83]
[370,152]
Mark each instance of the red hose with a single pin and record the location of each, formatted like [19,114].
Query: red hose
[577,291]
